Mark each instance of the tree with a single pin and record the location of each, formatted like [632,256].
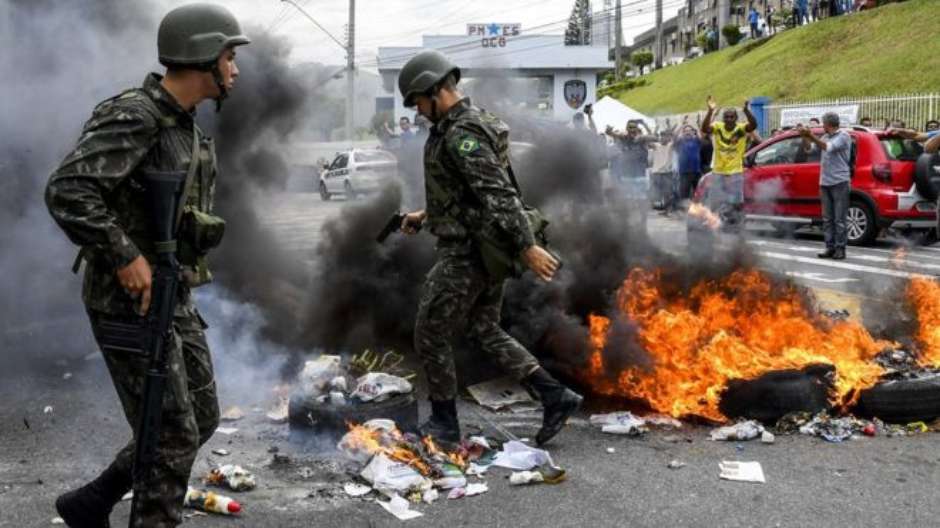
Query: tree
[641,59]
[579,24]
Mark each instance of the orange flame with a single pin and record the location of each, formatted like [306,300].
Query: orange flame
[454,458]
[924,296]
[738,327]
[389,443]
[703,213]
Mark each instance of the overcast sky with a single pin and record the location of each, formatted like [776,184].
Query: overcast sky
[402,22]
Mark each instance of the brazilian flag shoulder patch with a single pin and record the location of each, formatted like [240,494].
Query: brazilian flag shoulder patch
[467,145]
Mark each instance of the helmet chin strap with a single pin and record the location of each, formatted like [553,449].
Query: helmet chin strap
[220,84]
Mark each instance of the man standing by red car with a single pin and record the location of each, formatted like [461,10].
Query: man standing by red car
[836,147]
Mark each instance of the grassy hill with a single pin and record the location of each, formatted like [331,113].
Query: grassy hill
[890,50]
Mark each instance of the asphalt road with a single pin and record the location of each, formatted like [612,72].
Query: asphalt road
[866,482]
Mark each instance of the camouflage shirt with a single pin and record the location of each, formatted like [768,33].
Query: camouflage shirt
[96,199]
[467,154]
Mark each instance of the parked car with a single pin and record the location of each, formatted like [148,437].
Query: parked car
[781,185]
[357,172]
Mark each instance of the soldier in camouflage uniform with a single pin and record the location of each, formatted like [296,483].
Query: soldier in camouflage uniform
[96,198]
[471,191]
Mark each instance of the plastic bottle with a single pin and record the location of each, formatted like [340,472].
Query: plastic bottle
[210,502]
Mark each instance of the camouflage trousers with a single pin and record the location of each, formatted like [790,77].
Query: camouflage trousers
[459,296]
[190,412]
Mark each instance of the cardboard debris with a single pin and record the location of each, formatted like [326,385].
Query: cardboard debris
[400,508]
[741,471]
[502,393]
[226,430]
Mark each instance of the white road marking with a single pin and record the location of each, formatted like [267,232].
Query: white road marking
[820,277]
[842,265]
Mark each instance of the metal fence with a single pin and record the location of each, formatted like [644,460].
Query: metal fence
[913,109]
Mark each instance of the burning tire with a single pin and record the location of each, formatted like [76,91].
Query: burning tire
[903,400]
[775,394]
[306,415]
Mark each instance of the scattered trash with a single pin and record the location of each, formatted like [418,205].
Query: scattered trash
[356,490]
[47,409]
[210,502]
[430,496]
[380,424]
[389,477]
[93,356]
[338,384]
[67,375]
[306,472]
[337,398]
[477,488]
[748,430]
[127,496]
[476,470]
[660,420]
[675,464]
[767,437]
[232,414]
[518,456]
[521,478]
[741,471]
[457,493]
[379,386]
[869,430]
[479,441]
[500,394]
[672,439]
[368,361]
[400,508]
[447,483]
[226,430]
[220,452]
[279,412]
[196,513]
[624,423]
[57,520]
[833,429]
[552,474]
[235,478]
[611,450]
[317,374]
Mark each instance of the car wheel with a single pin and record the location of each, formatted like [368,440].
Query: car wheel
[350,194]
[324,194]
[860,224]
[306,415]
[902,401]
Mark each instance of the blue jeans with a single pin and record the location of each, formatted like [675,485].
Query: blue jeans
[835,207]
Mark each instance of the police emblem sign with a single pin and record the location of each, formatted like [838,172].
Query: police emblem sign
[575,92]
[494,35]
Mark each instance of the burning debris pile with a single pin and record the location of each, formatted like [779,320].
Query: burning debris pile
[408,469]
[739,327]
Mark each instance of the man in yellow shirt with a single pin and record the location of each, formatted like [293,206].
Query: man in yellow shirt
[726,192]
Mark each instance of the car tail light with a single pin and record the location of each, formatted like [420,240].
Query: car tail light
[882,171]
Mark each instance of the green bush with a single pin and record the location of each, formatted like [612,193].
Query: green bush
[732,34]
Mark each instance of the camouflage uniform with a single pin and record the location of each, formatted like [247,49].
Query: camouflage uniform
[97,201]
[467,153]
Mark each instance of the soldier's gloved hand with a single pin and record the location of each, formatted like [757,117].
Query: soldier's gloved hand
[411,223]
[541,262]
[136,279]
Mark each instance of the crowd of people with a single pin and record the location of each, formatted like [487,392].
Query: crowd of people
[766,21]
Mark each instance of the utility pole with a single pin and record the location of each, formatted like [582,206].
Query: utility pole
[659,34]
[350,47]
[608,17]
[351,71]
[618,37]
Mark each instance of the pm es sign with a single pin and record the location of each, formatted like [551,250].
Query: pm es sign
[494,35]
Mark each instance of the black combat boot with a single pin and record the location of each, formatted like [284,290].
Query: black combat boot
[559,403]
[90,505]
[443,424]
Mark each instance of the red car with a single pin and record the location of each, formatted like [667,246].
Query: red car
[781,185]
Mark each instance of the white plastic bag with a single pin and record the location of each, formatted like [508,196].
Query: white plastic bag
[379,386]
[317,374]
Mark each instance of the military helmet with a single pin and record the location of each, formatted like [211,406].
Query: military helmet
[197,34]
[423,72]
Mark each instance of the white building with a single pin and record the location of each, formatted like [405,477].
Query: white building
[567,75]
